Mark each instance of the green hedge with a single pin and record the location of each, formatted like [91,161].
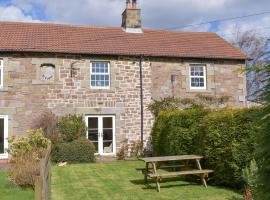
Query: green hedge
[225,137]
[174,132]
[77,151]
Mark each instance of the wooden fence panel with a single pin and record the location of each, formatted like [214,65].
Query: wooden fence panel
[43,181]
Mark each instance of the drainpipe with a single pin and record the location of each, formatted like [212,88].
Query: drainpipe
[141,91]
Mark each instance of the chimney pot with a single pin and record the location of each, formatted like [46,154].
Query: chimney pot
[131,17]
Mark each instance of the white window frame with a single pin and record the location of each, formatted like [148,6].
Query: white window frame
[5,155]
[2,74]
[204,77]
[98,73]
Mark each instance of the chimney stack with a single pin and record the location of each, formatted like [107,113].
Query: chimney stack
[131,17]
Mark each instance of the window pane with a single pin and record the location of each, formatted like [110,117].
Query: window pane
[99,74]
[2,129]
[107,122]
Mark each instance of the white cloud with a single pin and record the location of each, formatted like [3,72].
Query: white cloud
[12,13]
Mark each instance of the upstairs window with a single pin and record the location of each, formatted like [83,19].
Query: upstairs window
[100,75]
[197,77]
[1,73]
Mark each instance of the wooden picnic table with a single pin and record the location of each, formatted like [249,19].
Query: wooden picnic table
[157,162]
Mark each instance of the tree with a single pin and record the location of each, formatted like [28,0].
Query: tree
[257,47]
[258,76]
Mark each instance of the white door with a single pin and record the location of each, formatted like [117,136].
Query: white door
[101,131]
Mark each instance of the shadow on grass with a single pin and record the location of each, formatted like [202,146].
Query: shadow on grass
[151,184]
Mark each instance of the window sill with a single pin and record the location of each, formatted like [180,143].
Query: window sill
[198,91]
[110,90]
[4,89]
[39,82]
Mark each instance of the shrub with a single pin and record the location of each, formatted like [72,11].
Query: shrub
[227,141]
[34,143]
[24,169]
[26,153]
[250,176]
[174,132]
[48,122]
[72,127]
[77,151]
[225,137]
[263,154]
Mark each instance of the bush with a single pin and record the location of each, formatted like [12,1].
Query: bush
[227,141]
[26,153]
[72,127]
[174,132]
[48,122]
[77,151]
[263,154]
[225,137]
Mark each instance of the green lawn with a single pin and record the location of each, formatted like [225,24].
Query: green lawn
[120,181]
[11,192]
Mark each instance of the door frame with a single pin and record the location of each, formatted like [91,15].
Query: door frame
[100,130]
[5,155]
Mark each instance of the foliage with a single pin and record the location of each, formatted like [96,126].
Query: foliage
[77,151]
[250,175]
[174,132]
[72,127]
[123,151]
[225,137]
[263,156]
[172,103]
[26,153]
[34,143]
[24,169]
[134,149]
[227,141]
[48,122]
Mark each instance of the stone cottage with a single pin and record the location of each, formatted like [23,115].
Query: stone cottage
[109,75]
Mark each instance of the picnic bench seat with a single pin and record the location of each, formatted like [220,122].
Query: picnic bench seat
[191,172]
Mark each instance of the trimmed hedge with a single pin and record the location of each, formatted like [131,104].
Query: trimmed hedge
[77,151]
[174,132]
[225,137]
[227,140]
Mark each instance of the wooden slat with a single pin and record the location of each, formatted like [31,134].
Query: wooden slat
[171,158]
[168,174]
[43,182]
[162,167]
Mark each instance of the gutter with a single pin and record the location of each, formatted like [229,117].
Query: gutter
[141,95]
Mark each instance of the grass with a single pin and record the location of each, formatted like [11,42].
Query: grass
[11,192]
[120,181]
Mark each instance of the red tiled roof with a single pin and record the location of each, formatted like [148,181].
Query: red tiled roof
[43,37]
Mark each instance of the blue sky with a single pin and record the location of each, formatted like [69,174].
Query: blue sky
[155,13]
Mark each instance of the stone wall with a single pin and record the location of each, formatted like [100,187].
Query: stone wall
[224,78]
[24,97]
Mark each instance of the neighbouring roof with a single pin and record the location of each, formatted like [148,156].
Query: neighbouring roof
[56,38]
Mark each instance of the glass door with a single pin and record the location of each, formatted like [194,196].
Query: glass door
[3,136]
[93,131]
[101,131]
